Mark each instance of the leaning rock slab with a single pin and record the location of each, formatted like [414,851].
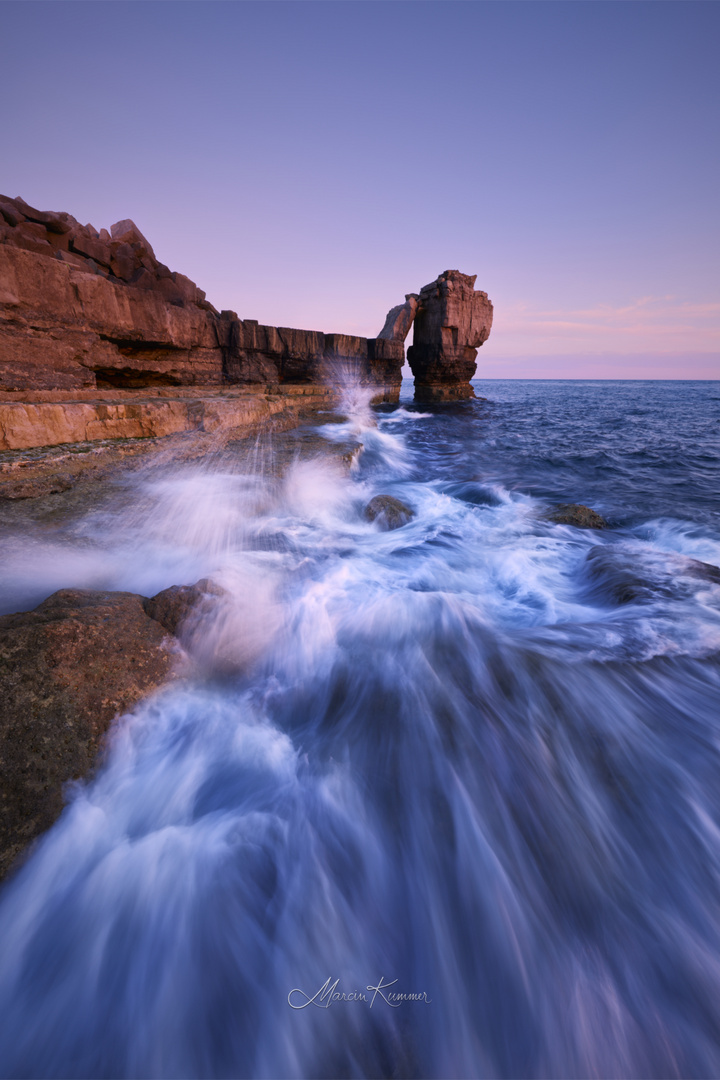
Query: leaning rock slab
[399,319]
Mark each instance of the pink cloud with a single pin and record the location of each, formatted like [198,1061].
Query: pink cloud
[649,324]
[607,365]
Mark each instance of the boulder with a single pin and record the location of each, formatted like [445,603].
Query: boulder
[452,321]
[122,261]
[32,237]
[622,575]
[98,250]
[127,232]
[173,607]
[53,222]
[188,289]
[67,669]
[10,212]
[582,517]
[388,512]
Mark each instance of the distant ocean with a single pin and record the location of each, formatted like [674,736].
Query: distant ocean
[473,762]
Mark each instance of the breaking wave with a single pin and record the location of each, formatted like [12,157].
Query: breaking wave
[473,760]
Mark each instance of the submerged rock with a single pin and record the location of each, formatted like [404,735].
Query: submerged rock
[582,517]
[67,669]
[388,512]
[172,607]
[703,570]
[622,575]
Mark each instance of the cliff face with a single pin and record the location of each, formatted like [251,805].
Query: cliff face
[452,322]
[88,312]
[82,309]
[63,327]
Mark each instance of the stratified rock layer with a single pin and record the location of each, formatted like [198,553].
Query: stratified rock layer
[86,310]
[452,322]
[82,309]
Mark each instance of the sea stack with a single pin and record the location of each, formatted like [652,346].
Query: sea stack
[452,321]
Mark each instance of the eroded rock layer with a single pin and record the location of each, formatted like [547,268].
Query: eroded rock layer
[451,323]
[82,310]
[87,311]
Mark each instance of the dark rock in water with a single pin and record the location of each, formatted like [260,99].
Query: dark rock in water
[172,607]
[703,570]
[388,512]
[67,669]
[622,576]
[469,491]
[576,514]
[617,576]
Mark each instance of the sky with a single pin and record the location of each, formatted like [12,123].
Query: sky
[309,163]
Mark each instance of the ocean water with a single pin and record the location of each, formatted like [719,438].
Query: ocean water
[473,762]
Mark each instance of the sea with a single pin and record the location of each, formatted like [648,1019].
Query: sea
[437,801]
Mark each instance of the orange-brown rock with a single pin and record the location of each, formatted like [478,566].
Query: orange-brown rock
[27,424]
[399,319]
[452,322]
[63,325]
[66,670]
[211,418]
[82,309]
[172,607]
[98,309]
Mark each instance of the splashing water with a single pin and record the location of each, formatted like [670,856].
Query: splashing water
[476,757]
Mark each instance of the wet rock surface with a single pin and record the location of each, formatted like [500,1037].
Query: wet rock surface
[582,517]
[173,607]
[618,574]
[70,479]
[67,669]
[388,512]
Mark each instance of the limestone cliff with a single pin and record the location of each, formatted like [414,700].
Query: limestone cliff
[87,313]
[451,323]
[82,309]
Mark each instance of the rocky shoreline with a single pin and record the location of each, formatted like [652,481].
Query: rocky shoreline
[110,361]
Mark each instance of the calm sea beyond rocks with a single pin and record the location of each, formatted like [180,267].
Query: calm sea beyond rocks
[108,357]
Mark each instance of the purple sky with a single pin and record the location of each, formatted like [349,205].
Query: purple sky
[309,163]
